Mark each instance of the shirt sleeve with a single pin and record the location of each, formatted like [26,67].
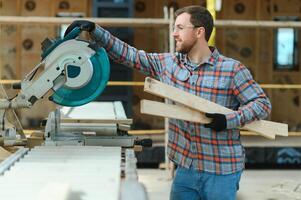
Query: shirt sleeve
[254,104]
[148,63]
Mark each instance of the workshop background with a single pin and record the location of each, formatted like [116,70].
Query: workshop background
[271,53]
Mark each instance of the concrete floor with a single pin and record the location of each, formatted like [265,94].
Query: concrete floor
[254,184]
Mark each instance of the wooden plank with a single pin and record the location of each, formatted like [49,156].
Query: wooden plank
[255,23]
[185,113]
[144,22]
[172,111]
[258,141]
[166,91]
[147,132]
[262,127]
[162,131]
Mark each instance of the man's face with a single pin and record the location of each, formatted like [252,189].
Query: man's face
[184,33]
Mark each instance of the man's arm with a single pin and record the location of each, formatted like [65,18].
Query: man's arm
[148,63]
[254,102]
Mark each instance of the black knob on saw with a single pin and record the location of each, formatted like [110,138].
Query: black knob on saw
[43,123]
[16,86]
[144,142]
[46,44]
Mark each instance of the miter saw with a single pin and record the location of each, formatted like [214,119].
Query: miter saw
[76,71]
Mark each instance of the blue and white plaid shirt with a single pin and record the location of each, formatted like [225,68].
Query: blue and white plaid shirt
[221,80]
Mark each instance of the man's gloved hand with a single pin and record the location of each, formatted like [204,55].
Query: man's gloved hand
[82,24]
[218,123]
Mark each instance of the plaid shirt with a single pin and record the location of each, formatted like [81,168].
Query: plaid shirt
[221,80]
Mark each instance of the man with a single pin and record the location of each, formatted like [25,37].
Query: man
[210,157]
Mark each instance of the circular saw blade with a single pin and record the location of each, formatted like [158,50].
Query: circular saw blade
[75,97]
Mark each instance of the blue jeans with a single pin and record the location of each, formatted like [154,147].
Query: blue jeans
[190,184]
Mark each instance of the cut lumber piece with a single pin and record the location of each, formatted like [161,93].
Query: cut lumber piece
[172,111]
[160,89]
[265,128]
[188,114]
[4,154]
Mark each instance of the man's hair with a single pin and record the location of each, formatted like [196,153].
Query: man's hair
[200,17]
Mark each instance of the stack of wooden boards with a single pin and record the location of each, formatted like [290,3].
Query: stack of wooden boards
[193,108]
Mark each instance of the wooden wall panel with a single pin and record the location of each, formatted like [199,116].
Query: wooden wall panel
[286,106]
[240,45]
[8,62]
[146,39]
[265,9]
[287,101]
[235,42]
[239,9]
[291,112]
[80,6]
[8,38]
[8,7]
[264,54]
[8,53]
[36,8]
[144,9]
[286,6]
[31,38]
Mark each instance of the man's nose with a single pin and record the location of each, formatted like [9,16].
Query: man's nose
[175,33]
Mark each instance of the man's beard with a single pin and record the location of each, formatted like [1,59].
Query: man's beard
[185,48]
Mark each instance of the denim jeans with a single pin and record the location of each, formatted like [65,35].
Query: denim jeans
[190,184]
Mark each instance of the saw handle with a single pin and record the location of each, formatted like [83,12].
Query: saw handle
[73,34]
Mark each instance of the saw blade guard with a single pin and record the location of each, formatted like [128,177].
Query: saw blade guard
[98,75]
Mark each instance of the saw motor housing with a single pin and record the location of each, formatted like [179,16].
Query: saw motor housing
[75,70]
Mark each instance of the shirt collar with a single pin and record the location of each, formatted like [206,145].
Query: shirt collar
[214,57]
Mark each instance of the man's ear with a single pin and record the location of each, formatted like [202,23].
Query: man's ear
[201,32]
